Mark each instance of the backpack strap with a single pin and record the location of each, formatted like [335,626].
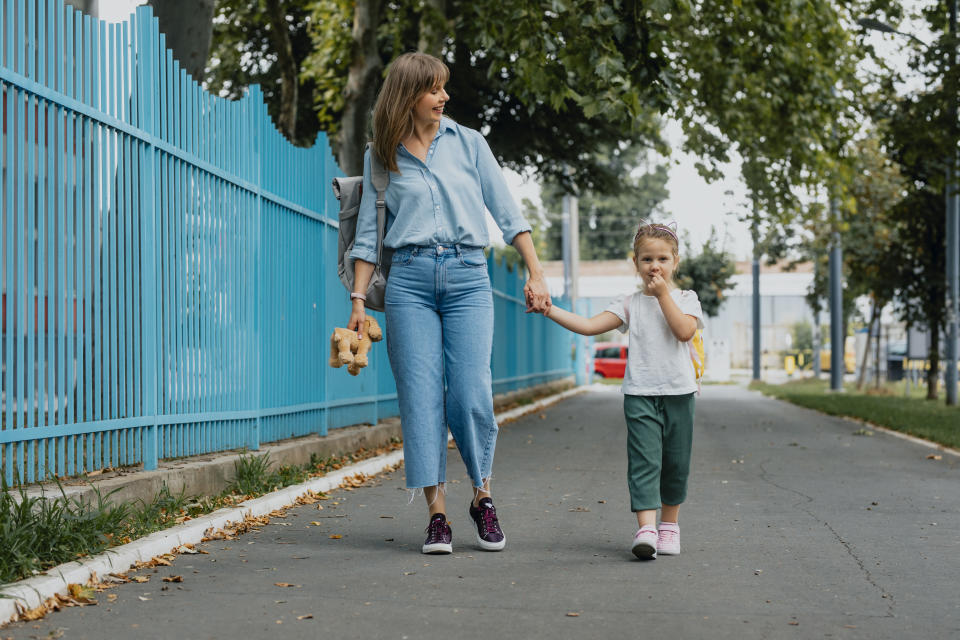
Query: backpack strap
[380,178]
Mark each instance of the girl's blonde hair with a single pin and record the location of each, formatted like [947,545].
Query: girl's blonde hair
[410,76]
[649,231]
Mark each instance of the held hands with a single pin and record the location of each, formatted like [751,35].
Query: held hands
[537,295]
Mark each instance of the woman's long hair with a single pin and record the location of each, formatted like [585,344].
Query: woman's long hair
[410,76]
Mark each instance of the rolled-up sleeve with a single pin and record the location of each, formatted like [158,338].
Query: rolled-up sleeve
[365,243]
[496,193]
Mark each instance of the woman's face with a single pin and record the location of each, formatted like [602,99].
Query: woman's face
[655,257]
[429,108]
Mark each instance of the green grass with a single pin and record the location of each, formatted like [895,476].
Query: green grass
[914,415]
[37,533]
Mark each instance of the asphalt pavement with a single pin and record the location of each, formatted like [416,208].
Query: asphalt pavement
[797,525]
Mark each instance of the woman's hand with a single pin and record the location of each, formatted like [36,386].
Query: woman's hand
[537,295]
[362,271]
[357,316]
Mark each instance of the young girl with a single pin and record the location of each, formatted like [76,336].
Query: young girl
[658,386]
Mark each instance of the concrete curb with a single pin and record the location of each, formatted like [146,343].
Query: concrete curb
[32,592]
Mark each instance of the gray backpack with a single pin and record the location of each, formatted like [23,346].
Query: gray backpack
[348,192]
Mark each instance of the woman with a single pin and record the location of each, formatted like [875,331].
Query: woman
[439,305]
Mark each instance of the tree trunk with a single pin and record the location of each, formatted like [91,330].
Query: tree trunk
[433,27]
[361,90]
[188,25]
[866,351]
[289,74]
[934,372]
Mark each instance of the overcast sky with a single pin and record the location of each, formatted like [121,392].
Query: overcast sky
[693,203]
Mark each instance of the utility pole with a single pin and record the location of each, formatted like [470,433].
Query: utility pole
[836,307]
[953,221]
[755,232]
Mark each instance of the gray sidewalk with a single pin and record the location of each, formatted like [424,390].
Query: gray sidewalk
[796,527]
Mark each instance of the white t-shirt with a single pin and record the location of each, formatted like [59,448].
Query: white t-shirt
[657,363]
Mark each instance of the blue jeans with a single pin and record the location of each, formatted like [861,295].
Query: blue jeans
[439,308]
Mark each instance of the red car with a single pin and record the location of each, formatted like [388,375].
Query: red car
[609,359]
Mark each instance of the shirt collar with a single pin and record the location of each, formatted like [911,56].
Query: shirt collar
[446,124]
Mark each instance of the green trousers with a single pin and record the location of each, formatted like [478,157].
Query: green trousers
[659,441]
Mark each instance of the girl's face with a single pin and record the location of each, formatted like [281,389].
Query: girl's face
[655,258]
[429,108]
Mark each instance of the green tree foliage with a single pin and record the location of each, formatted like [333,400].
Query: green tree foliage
[709,272]
[920,131]
[802,336]
[550,81]
[919,251]
[874,186]
[607,221]
[265,42]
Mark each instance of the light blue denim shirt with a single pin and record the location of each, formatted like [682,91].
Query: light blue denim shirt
[440,201]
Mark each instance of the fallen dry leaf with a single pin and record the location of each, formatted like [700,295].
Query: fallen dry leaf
[111,597]
[309,616]
[173,579]
[141,578]
[143,598]
[82,594]
[315,523]
[29,615]
[335,536]
[934,456]
[285,584]
[571,614]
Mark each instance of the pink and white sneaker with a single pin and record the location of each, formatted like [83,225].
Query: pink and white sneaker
[645,543]
[668,539]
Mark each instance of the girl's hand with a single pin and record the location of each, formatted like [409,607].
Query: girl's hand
[357,316]
[657,286]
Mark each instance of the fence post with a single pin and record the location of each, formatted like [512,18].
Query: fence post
[254,125]
[146,78]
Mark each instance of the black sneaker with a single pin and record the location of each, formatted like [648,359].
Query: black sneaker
[439,536]
[489,535]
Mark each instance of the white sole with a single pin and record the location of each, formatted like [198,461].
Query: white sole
[668,552]
[491,546]
[437,549]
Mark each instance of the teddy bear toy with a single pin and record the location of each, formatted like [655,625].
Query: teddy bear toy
[347,349]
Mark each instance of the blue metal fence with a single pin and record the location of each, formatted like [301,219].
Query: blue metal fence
[168,262]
